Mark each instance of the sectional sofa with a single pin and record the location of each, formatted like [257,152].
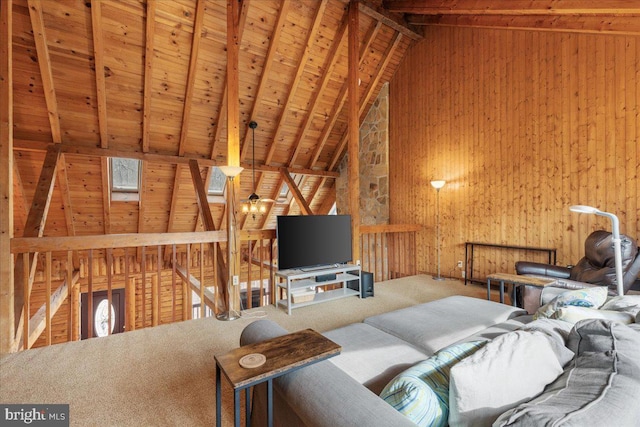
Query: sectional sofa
[497,358]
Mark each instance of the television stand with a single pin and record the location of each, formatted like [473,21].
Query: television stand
[302,286]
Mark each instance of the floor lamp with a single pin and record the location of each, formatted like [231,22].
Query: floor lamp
[438,185]
[615,228]
[232,245]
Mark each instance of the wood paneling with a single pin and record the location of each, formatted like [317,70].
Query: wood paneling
[521,125]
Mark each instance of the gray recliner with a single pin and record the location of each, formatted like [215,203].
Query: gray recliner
[597,268]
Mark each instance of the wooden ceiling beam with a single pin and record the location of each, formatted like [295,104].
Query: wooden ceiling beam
[34,227]
[295,191]
[342,97]
[44,62]
[590,24]
[512,7]
[207,221]
[37,217]
[148,72]
[65,195]
[201,196]
[22,145]
[174,197]
[46,72]
[311,36]
[337,155]
[390,20]
[353,128]
[98,51]
[7,307]
[281,22]
[222,111]
[332,57]
[191,76]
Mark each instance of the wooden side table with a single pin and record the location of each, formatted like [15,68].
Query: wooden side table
[284,354]
[516,280]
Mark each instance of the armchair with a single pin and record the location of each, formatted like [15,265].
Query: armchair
[597,268]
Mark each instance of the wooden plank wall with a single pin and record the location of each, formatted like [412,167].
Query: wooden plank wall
[521,125]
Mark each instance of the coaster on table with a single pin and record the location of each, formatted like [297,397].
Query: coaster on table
[252,360]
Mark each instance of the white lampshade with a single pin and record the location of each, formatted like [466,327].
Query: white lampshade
[231,171]
[438,184]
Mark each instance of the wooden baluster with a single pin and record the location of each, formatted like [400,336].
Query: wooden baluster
[143,267]
[90,296]
[159,291]
[202,304]
[216,296]
[74,301]
[249,275]
[173,283]
[186,289]
[130,298]
[109,290]
[261,272]
[27,301]
[48,297]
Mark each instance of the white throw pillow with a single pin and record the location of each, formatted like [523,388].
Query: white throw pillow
[574,314]
[585,297]
[626,303]
[510,369]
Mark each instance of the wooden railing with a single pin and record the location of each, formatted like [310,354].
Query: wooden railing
[156,271]
[159,273]
[389,251]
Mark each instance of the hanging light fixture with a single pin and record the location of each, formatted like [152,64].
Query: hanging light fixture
[254,204]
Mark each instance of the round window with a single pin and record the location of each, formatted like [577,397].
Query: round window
[102,319]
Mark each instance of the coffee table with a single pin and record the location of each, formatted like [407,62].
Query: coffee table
[283,354]
[516,280]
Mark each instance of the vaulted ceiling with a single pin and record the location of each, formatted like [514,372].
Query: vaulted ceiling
[147,79]
[95,79]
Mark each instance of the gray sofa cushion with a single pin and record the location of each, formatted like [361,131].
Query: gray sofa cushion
[372,357]
[308,397]
[600,385]
[437,324]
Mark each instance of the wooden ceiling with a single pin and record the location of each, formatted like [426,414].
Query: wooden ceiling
[159,95]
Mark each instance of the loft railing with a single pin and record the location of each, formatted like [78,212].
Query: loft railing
[389,250]
[160,272]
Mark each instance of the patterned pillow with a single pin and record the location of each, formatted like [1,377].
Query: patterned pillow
[588,297]
[573,314]
[421,393]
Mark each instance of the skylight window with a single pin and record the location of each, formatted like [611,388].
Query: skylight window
[125,178]
[216,182]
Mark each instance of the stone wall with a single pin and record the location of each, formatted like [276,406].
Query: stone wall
[374,166]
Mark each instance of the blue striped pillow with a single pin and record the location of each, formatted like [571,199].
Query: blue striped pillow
[421,393]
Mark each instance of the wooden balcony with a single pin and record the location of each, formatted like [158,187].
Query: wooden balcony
[160,275]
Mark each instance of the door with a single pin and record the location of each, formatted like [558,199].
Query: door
[100,317]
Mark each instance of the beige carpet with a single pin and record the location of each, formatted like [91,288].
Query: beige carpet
[166,375]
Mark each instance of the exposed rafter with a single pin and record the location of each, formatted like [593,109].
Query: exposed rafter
[266,69]
[342,97]
[150,26]
[512,7]
[611,24]
[311,36]
[98,55]
[295,191]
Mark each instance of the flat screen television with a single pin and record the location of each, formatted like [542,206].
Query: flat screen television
[308,241]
